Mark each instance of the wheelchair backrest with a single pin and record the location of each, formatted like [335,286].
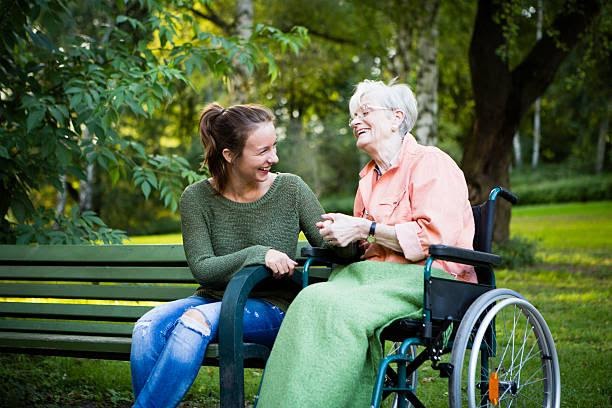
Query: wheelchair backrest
[484,222]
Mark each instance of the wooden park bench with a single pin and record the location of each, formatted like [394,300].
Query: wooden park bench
[82,301]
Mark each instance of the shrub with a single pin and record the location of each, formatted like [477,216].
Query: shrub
[572,189]
[517,252]
[342,204]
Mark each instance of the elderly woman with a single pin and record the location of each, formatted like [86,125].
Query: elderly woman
[409,197]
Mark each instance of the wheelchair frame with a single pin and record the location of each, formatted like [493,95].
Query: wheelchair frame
[467,321]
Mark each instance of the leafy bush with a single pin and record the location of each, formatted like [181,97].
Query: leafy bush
[517,252]
[579,188]
[77,228]
[343,204]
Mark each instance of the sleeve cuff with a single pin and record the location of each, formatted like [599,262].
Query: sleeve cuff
[407,236]
[257,255]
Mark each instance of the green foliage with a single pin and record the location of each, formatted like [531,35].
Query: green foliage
[79,228]
[518,252]
[71,72]
[339,204]
[578,188]
[159,173]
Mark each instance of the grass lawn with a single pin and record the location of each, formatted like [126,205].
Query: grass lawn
[570,285]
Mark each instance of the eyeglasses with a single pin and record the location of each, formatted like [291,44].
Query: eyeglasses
[365,111]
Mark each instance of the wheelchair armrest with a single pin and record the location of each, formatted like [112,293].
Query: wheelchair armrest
[464,256]
[340,256]
[317,252]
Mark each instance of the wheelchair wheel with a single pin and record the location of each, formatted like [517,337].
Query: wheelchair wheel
[513,360]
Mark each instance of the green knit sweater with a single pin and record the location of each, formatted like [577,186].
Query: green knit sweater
[221,236]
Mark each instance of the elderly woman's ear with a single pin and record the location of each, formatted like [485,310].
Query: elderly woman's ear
[399,116]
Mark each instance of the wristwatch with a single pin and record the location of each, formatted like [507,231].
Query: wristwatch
[371,238]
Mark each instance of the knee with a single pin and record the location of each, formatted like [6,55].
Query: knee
[317,297]
[196,320]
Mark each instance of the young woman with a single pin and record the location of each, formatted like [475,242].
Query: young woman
[243,215]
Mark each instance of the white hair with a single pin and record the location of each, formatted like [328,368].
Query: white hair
[396,96]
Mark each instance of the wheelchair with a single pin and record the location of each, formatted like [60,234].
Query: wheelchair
[502,353]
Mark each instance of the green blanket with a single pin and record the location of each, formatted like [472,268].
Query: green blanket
[328,348]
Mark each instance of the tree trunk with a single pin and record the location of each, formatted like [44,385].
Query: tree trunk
[426,126]
[240,83]
[516,146]
[6,196]
[537,134]
[502,97]
[401,61]
[601,143]
[300,147]
[422,30]
[62,197]
[86,186]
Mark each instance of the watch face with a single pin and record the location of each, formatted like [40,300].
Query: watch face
[371,239]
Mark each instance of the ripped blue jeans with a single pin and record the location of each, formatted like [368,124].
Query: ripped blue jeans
[168,344]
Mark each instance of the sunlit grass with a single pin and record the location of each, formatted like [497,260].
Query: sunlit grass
[566,226]
[176,238]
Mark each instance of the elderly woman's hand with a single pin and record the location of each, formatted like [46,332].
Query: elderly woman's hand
[340,229]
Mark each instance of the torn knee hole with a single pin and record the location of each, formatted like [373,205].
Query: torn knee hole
[197,317]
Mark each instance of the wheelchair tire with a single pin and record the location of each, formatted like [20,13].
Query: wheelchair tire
[522,355]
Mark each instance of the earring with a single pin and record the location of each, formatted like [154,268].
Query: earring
[393,128]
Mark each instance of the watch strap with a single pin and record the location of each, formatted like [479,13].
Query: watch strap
[372,229]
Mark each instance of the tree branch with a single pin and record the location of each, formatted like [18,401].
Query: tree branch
[213,18]
[327,36]
[535,73]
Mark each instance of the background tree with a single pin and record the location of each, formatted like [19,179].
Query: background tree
[503,94]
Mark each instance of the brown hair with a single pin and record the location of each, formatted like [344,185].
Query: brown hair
[229,128]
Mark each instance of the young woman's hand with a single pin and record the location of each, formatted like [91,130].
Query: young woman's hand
[279,263]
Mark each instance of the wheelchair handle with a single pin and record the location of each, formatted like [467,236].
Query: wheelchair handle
[506,194]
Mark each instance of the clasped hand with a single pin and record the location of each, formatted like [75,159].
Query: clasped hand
[340,229]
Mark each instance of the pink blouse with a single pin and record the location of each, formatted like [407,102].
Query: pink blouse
[424,195]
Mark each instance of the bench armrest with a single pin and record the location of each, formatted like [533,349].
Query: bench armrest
[231,349]
[464,256]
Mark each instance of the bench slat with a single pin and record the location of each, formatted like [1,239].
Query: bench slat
[104,254]
[67,326]
[93,253]
[144,274]
[92,291]
[97,273]
[105,347]
[73,311]
[74,343]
